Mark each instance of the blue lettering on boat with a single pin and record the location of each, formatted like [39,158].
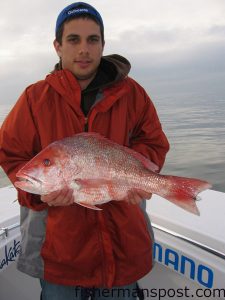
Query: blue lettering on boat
[10,254]
[184,265]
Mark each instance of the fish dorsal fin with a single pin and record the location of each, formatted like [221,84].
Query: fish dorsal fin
[146,162]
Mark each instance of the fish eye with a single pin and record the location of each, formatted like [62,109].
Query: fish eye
[46,162]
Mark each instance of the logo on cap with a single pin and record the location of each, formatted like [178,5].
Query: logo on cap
[80,10]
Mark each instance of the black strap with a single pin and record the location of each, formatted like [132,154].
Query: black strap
[140,293]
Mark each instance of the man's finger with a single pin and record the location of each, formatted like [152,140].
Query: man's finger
[65,197]
[143,194]
[134,197]
[50,196]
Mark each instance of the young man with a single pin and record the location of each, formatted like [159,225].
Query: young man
[65,245]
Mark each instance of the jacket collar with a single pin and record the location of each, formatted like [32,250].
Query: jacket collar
[65,84]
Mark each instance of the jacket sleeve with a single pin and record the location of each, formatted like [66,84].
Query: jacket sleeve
[19,142]
[147,136]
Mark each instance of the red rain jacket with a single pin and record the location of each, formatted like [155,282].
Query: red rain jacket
[74,245]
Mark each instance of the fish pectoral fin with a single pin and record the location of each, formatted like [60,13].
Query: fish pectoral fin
[91,183]
[89,206]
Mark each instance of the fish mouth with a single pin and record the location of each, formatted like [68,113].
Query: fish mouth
[28,178]
[27,183]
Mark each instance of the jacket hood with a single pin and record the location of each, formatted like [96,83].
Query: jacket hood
[120,64]
[117,65]
[112,69]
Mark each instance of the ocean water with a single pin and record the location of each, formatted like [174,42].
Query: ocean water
[195,126]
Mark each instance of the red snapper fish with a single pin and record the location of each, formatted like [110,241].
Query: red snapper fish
[100,170]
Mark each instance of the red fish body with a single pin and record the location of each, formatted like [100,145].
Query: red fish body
[99,170]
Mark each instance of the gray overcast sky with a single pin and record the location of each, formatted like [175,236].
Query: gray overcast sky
[172,45]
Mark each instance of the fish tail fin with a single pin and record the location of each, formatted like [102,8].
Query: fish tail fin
[183,192]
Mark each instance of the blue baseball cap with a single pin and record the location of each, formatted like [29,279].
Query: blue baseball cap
[76,9]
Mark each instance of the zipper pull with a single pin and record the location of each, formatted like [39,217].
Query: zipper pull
[86,124]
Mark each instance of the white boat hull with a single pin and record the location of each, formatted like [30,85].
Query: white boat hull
[186,264]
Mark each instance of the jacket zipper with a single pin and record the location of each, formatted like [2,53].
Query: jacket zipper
[103,259]
[88,120]
[100,234]
[86,124]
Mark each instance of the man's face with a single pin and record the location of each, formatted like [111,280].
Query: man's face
[81,48]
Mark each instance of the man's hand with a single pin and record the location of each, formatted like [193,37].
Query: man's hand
[62,197]
[135,196]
